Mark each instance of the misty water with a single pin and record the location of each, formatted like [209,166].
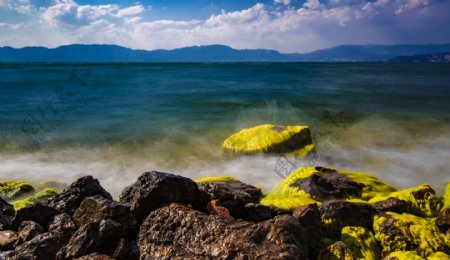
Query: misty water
[116,121]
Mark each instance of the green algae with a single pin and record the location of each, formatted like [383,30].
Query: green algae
[406,232]
[270,139]
[421,200]
[217,179]
[10,190]
[361,242]
[46,193]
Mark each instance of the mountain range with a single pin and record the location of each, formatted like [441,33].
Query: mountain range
[212,53]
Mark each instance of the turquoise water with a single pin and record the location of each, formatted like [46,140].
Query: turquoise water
[114,121]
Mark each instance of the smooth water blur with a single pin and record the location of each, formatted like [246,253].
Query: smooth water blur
[115,121]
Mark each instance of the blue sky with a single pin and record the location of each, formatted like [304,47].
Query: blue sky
[284,25]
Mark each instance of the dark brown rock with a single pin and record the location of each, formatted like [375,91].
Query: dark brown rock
[155,188]
[37,212]
[8,239]
[391,204]
[337,251]
[233,195]
[16,255]
[98,236]
[177,231]
[309,218]
[71,197]
[96,256]
[258,212]
[43,246]
[126,250]
[29,230]
[6,214]
[62,223]
[336,214]
[443,220]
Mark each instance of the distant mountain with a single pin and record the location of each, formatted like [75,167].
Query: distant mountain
[210,53]
[435,57]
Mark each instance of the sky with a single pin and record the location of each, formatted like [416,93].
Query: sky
[284,25]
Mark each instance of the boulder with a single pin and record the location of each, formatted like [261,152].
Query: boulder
[96,256]
[43,246]
[8,239]
[71,197]
[62,223]
[29,230]
[98,236]
[336,214]
[231,194]
[337,251]
[258,212]
[155,188]
[37,212]
[403,255]
[406,232]
[177,231]
[361,242]
[309,185]
[391,204]
[309,218]
[126,249]
[270,139]
[6,214]
[11,190]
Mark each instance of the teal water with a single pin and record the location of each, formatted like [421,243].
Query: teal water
[115,121]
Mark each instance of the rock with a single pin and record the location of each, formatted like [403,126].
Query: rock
[126,249]
[98,236]
[233,195]
[71,197]
[391,204]
[406,232]
[39,196]
[443,220]
[446,198]
[43,246]
[62,223]
[420,200]
[177,231]
[37,212]
[258,213]
[270,139]
[438,256]
[309,185]
[98,208]
[29,229]
[15,255]
[6,214]
[403,255]
[336,214]
[309,218]
[96,256]
[8,239]
[10,190]
[337,251]
[155,188]
[361,242]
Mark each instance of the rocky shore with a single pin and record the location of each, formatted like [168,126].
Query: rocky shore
[314,213]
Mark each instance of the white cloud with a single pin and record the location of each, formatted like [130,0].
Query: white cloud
[311,4]
[284,2]
[130,11]
[20,6]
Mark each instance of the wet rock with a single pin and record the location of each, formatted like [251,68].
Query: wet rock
[391,204]
[337,251]
[8,239]
[126,249]
[309,218]
[336,214]
[258,212]
[177,231]
[71,197]
[15,255]
[361,242]
[6,214]
[96,256]
[406,232]
[37,212]
[43,246]
[155,188]
[29,229]
[98,236]
[443,220]
[62,223]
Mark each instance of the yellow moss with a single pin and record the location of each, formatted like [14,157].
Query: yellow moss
[403,255]
[408,232]
[421,200]
[446,199]
[216,179]
[372,185]
[10,190]
[269,139]
[361,242]
[336,251]
[438,256]
[303,152]
[47,193]
[288,202]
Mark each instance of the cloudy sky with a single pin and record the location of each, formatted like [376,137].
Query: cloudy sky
[284,25]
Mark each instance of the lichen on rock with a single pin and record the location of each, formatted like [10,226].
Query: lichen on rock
[403,255]
[268,138]
[361,242]
[46,193]
[10,190]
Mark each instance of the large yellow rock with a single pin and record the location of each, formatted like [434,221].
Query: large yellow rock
[270,139]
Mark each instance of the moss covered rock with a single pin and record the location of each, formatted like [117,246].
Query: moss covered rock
[46,193]
[406,232]
[270,139]
[403,255]
[446,199]
[10,190]
[361,242]
[310,185]
[420,200]
[337,251]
